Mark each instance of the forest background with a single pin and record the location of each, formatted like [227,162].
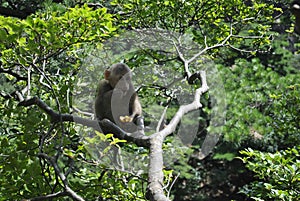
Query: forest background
[51,50]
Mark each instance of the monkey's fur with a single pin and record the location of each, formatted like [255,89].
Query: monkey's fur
[116,98]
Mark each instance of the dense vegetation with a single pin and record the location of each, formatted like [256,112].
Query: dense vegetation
[243,144]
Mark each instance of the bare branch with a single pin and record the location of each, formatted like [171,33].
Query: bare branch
[173,184]
[50,196]
[187,62]
[42,76]
[62,177]
[247,37]
[211,47]
[187,108]
[83,112]
[161,121]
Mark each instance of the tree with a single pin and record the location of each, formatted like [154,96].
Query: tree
[35,50]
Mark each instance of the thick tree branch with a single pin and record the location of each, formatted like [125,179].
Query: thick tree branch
[104,126]
[155,178]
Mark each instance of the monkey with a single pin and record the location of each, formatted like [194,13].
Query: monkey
[295,9]
[117,99]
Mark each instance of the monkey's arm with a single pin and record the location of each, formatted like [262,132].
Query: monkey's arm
[135,108]
[137,114]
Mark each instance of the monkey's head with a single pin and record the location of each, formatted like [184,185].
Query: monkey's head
[119,76]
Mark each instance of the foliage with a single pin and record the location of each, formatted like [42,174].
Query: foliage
[284,112]
[42,55]
[39,57]
[209,22]
[256,109]
[22,41]
[277,173]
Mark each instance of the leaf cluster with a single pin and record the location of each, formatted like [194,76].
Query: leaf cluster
[277,173]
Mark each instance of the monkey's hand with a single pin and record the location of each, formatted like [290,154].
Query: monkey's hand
[126,119]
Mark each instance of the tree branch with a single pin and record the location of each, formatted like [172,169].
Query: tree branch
[155,178]
[104,125]
[14,74]
[50,196]
[62,177]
